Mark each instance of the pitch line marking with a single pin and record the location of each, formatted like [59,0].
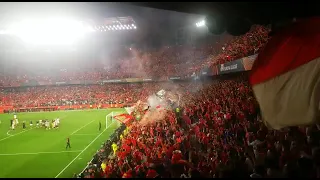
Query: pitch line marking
[82,127]
[59,152]
[85,134]
[80,154]
[15,134]
[8,133]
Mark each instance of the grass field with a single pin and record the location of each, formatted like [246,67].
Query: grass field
[36,152]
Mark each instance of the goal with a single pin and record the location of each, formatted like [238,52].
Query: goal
[110,120]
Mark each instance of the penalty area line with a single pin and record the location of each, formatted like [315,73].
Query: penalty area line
[80,154]
[81,127]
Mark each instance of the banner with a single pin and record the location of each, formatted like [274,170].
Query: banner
[45,83]
[243,64]
[133,80]
[175,78]
[74,82]
[60,83]
[146,80]
[206,71]
[30,83]
[112,81]
[124,118]
[233,66]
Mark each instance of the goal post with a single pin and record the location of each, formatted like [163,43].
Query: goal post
[111,120]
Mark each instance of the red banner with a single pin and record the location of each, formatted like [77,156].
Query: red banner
[124,118]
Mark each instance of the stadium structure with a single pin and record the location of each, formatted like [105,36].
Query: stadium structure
[149,93]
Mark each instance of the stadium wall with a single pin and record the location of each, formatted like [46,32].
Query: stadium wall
[5,109]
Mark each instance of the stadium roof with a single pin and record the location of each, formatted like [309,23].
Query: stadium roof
[255,11]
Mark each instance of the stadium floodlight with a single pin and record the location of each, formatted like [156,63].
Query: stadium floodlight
[201,23]
[3,32]
[57,31]
[134,27]
[132,24]
[90,29]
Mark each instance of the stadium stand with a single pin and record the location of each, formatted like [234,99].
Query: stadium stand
[218,131]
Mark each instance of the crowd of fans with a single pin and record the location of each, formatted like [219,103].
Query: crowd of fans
[218,132]
[214,131]
[127,63]
[76,95]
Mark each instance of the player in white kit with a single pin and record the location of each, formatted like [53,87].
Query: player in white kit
[13,125]
[15,119]
[57,122]
[47,124]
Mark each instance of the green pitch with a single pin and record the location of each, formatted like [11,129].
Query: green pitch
[37,152]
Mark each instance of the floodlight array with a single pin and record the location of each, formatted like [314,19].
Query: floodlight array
[116,27]
[201,23]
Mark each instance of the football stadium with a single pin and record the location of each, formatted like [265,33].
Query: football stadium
[124,90]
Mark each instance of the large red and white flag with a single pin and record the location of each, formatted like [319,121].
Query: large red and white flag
[286,76]
[124,118]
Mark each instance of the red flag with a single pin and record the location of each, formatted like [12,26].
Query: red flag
[285,76]
[124,118]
